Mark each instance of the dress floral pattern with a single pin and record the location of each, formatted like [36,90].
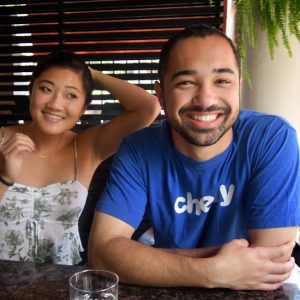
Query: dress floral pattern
[41,224]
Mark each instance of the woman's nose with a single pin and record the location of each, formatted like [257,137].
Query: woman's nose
[55,102]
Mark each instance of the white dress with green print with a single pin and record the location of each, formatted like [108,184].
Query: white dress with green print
[41,224]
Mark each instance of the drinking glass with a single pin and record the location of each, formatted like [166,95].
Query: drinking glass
[94,285]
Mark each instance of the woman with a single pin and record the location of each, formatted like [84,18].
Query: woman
[46,168]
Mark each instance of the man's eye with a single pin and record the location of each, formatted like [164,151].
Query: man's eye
[185,83]
[223,81]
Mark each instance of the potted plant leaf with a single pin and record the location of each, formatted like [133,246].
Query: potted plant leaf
[279,18]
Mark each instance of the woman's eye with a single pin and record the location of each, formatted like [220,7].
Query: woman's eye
[72,96]
[44,89]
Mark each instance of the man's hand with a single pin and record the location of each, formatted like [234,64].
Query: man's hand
[235,265]
[241,267]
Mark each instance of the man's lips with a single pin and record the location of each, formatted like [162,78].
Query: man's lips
[204,120]
[204,117]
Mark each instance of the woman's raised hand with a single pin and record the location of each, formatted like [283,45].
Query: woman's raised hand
[12,155]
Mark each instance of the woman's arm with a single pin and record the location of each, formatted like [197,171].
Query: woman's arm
[11,157]
[140,110]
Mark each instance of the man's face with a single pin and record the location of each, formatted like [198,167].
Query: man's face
[200,92]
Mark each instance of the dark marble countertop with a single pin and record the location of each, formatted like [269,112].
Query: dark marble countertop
[29,281]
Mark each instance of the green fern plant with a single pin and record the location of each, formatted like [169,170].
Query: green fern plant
[276,17]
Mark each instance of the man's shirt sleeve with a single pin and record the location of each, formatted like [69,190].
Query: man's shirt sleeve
[274,188]
[125,195]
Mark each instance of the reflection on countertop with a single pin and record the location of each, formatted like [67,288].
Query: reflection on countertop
[29,281]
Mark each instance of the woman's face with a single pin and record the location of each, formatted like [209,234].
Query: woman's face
[57,100]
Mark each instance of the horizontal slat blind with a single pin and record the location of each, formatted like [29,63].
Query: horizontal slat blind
[120,37]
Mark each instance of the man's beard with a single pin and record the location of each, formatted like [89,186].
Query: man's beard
[203,136]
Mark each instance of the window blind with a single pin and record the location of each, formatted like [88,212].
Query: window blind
[119,37]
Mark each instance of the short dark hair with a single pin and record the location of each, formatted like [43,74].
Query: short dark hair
[200,31]
[67,60]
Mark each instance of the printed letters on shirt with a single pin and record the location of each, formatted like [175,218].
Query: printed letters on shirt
[203,204]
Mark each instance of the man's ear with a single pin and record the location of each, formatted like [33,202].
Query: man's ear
[159,93]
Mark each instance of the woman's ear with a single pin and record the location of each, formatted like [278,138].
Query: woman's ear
[159,93]
[83,110]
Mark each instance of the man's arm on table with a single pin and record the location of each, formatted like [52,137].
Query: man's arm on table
[273,237]
[235,266]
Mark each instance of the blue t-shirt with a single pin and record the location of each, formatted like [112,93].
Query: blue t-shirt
[254,183]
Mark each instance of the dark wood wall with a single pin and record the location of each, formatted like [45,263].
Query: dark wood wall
[120,37]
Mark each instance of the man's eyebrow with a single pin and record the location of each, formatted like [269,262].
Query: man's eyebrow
[184,72]
[193,72]
[223,70]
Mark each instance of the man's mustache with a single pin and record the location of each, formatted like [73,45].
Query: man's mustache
[201,109]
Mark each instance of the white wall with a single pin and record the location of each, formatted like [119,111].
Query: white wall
[276,84]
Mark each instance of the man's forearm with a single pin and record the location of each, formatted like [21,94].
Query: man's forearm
[235,265]
[196,253]
[272,237]
[136,263]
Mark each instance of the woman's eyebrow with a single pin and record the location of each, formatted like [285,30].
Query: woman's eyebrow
[46,81]
[73,87]
[52,83]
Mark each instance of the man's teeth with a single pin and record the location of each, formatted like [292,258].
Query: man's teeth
[205,118]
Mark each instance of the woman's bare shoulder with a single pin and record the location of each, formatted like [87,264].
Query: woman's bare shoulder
[90,134]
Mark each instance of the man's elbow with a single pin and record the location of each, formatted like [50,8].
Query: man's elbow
[94,256]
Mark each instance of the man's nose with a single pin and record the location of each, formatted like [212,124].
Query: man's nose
[204,95]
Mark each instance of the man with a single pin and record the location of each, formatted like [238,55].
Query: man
[221,187]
